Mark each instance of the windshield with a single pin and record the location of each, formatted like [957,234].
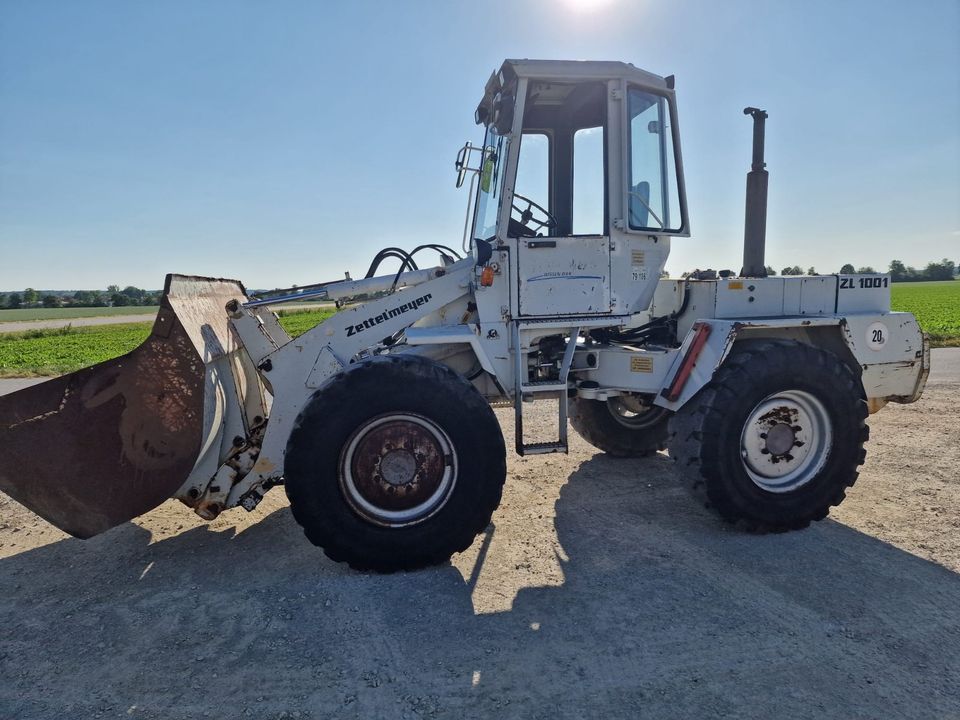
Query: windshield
[489,186]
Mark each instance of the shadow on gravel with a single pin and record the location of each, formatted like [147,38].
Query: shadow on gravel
[664,612]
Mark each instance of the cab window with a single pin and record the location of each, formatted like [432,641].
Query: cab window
[588,181]
[653,195]
[533,169]
[562,161]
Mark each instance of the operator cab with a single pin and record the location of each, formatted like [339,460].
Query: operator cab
[580,179]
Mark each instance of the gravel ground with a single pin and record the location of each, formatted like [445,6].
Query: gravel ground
[600,590]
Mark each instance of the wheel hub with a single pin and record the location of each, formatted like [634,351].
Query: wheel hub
[785,440]
[780,439]
[397,469]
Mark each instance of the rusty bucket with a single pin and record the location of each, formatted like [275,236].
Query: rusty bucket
[95,448]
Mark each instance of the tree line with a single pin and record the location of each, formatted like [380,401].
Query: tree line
[113,296]
[943,270]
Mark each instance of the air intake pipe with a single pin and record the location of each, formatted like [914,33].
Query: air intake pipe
[755,221]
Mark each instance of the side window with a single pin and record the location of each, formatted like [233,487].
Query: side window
[653,196]
[533,169]
[588,181]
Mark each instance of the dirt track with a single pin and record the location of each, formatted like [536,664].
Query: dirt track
[20,326]
[600,590]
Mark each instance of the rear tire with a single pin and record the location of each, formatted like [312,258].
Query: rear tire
[775,438]
[620,426]
[395,464]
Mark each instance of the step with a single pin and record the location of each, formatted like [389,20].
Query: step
[543,386]
[543,448]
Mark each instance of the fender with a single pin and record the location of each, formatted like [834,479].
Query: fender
[891,371]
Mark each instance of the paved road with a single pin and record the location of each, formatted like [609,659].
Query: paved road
[944,365]
[9,385]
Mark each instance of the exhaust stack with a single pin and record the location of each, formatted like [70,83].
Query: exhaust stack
[755,221]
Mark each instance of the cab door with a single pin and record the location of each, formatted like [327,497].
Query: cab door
[565,269]
[564,275]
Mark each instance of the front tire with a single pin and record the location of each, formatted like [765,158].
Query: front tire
[395,464]
[776,437]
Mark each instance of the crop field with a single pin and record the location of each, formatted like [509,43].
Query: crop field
[29,314]
[936,305]
[297,322]
[62,350]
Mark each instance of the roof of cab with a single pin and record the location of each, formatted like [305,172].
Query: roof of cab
[563,71]
[582,70]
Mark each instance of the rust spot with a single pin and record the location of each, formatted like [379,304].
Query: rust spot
[209,510]
[780,415]
[876,404]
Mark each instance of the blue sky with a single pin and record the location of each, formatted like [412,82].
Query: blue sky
[286,142]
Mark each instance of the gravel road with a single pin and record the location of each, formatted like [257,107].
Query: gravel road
[600,590]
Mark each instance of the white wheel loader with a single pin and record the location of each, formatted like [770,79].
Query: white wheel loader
[378,420]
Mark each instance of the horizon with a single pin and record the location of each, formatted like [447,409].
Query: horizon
[228,140]
[259,289]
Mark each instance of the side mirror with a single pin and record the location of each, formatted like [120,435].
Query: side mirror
[503,113]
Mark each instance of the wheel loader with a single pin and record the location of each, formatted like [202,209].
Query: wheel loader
[378,421]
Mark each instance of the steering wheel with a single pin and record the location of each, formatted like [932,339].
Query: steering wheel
[528,220]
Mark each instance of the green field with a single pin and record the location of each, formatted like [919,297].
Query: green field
[297,322]
[29,314]
[62,350]
[936,305]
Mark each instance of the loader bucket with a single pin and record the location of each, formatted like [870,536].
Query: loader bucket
[95,448]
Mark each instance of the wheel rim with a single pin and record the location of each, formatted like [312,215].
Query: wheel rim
[633,413]
[786,441]
[398,469]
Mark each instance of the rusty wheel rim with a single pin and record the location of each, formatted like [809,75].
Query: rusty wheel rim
[398,469]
